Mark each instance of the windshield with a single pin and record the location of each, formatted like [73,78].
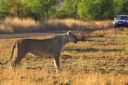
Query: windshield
[122,17]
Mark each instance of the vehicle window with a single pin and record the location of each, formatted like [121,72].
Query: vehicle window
[122,17]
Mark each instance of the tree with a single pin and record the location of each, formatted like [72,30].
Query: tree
[121,6]
[41,9]
[96,9]
[4,10]
[89,9]
[69,9]
[107,9]
[38,9]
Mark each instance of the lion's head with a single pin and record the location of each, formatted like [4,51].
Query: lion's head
[72,37]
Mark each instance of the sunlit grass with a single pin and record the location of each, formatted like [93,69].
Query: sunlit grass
[102,60]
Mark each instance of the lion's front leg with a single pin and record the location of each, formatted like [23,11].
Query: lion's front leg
[56,62]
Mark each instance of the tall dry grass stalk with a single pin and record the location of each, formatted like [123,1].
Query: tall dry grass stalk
[10,25]
[16,25]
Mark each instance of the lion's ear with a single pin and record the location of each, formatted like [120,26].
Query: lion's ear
[69,33]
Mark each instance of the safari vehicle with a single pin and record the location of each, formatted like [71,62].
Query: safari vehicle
[121,21]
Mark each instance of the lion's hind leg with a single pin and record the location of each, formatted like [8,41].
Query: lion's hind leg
[20,54]
[17,61]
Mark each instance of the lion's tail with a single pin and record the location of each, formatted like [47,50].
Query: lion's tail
[10,56]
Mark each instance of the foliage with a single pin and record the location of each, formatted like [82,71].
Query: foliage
[121,6]
[69,9]
[41,9]
[37,9]
[106,7]
[78,9]
[96,9]
[92,9]
[88,9]
[4,11]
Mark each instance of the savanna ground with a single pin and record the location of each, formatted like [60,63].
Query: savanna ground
[102,60]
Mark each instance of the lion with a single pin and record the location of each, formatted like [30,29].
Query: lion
[42,47]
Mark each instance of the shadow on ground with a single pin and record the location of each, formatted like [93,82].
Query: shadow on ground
[93,50]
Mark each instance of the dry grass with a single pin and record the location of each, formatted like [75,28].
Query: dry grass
[10,25]
[16,25]
[99,61]
[29,77]
[78,24]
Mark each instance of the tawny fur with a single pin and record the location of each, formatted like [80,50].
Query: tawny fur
[44,47]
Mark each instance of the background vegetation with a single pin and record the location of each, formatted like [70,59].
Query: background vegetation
[78,9]
[17,25]
[100,58]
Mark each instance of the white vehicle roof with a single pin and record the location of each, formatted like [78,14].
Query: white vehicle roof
[122,15]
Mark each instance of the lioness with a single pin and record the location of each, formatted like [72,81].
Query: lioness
[43,47]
